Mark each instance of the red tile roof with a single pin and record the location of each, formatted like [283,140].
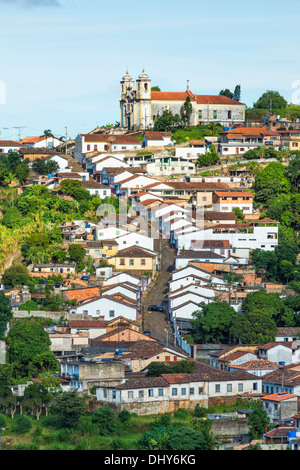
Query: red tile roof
[280,396]
[171,96]
[216,99]
[233,194]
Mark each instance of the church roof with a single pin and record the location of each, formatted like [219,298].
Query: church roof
[171,95]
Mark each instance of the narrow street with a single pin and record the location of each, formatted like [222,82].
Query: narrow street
[157,322]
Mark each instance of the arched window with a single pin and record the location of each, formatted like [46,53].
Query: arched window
[146,86]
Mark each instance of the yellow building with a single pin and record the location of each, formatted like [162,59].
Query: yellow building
[134,258]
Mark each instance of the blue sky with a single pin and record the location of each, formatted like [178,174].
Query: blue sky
[62,60]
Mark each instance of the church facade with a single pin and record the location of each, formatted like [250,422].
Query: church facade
[140,106]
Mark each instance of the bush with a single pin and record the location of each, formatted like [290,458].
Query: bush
[21,424]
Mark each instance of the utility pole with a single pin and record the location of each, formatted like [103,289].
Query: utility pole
[19,127]
[3,128]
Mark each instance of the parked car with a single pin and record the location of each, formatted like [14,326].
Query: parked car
[155,308]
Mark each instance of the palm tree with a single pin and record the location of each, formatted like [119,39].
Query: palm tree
[48,133]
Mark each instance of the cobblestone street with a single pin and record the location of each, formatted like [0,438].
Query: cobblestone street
[158,322]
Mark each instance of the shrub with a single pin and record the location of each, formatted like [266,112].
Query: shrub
[21,424]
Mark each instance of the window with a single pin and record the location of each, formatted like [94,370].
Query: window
[85,312]
[217,388]
[141,393]
[215,114]
[255,386]
[95,147]
[229,114]
[160,392]
[143,262]
[200,114]
[192,391]
[98,312]
[130,394]
[124,242]
[114,395]
[131,262]
[150,392]
[104,392]
[183,391]
[229,387]
[111,313]
[122,261]
[200,390]
[174,391]
[240,387]
[88,147]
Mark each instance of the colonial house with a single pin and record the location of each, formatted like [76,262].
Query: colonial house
[169,392]
[8,146]
[45,270]
[83,375]
[97,189]
[134,258]
[241,139]
[259,367]
[280,406]
[108,307]
[284,353]
[139,280]
[226,201]
[41,141]
[157,139]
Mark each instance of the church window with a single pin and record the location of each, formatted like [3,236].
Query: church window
[146,86]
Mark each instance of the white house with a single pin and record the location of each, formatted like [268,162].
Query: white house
[157,139]
[134,183]
[108,232]
[97,189]
[41,141]
[282,353]
[108,307]
[153,395]
[135,238]
[131,278]
[8,146]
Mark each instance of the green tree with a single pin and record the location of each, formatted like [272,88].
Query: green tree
[212,324]
[69,406]
[186,111]
[76,253]
[258,421]
[255,327]
[16,275]
[167,121]
[105,419]
[226,92]
[26,341]
[237,93]
[270,303]
[270,98]
[184,438]
[270,182]
[5,314]
[12,218]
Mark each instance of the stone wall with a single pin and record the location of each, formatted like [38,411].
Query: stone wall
[55,316]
